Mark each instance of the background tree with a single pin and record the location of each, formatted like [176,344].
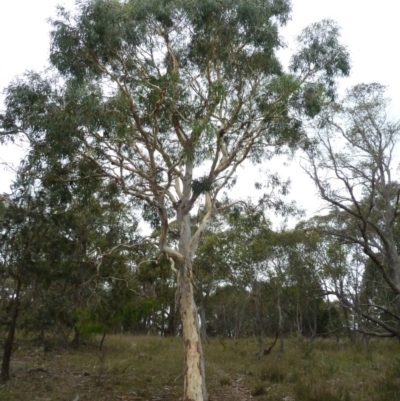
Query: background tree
[60,247]
[352,166]
[12,266]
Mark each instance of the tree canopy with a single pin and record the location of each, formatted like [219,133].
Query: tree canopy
[166,100]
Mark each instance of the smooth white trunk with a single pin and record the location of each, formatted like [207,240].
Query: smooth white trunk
[194,377]
[194,374]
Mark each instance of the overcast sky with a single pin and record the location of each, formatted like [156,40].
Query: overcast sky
[370,29]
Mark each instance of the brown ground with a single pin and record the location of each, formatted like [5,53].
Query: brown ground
[126,370]
[150,368]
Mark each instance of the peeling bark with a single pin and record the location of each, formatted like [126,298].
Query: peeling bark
[280,323]
[194,374]
[194,377]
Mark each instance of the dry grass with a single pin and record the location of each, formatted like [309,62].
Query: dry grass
[320,371]
[150,368]
[128,368]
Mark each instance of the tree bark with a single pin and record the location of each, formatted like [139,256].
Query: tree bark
[102,340]
[8,345]
[239,320]
[202,310]
[313,326]
[194,376]
[256,298]
[398,314]
[280,324]
[350,334]
[203,328]
[171,321]
[163,331]
[76,340]
[299,322]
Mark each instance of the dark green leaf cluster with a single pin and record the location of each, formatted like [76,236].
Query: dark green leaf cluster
[105,26]
[201,186]
[322,52]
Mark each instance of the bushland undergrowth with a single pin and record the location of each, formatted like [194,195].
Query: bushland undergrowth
[150,368]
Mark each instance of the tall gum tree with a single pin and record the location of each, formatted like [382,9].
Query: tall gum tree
[168,98]
[352,165]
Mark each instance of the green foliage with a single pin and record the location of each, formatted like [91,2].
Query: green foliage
[142,94]
[201,186]
[62,240]
[134,312]
[88,329]
[322,51]
[150,215]
[347,255]
[105,25]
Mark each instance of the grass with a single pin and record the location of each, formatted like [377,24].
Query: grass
[128,367]
[329,371]
[150,368]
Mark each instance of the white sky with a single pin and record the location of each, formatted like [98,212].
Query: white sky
[370,29]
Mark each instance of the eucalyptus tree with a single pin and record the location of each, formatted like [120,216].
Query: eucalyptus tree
[230,313]
[56,255]
[353,166]
[226,257]
[168,99]
[88,228]
[22,228]
[306,279]
[10,276]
